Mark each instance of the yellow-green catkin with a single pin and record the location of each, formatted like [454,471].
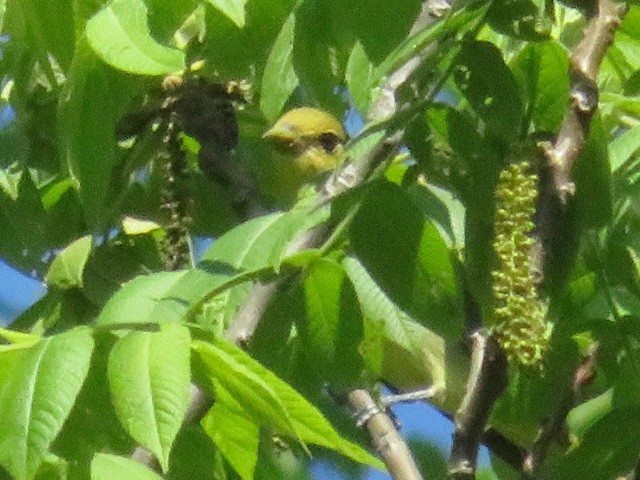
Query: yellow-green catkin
[519,324]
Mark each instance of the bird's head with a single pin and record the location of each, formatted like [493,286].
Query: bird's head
[312,138]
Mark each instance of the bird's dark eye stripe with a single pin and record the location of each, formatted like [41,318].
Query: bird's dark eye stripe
[328,141]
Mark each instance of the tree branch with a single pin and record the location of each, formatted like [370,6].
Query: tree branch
[583,71]
[384,436]
[487,380]
[554,191]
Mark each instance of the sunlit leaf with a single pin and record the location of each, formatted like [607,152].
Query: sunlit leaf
[108,467]
[149,377]
[119,34]
[67,268]
[37,394]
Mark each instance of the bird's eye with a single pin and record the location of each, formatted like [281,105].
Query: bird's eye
[328,141]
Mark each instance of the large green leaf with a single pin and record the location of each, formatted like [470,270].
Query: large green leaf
[233,432]
[51,29]
[119,34]
[258,245]
[379,25]
[271,402]
[396,348]
[242,53]
[108,467]
[160,297]
[88,119]
[490,88]
[248,382]
[320,54]
[149,376]
[37,394]
[332,326]
[279,79]
[542,70]
[408,258]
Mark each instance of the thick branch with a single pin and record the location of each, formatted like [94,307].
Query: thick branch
[384,436]
[487,380]
[584,65]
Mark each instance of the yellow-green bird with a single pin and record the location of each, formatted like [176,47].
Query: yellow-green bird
[310,143]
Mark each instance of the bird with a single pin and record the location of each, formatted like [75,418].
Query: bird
[312,139]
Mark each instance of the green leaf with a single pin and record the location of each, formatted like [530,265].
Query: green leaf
[586,414]
[397,349]
[37,394]
[489,86]
[542,72]
[51,30]
[244,54]
[332,324]
[279,79]
[319,55]
[263,241]
[67,268]
[611,446]
[409,259]
[461,21]
[271,402]
[379,25]
[623,148]
[358,76]
[521,19]
[23,238]
[233,9]
[160,297]
[88,119]
[233,432]
[119,34]
[248,382]
[149,376]
[109,467]
[593,179]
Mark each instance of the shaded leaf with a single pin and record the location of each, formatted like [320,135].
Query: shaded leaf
[542,72]
[489,86]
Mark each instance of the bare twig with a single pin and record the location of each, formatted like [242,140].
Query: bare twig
[584,65]
[385,437]
[487,380]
